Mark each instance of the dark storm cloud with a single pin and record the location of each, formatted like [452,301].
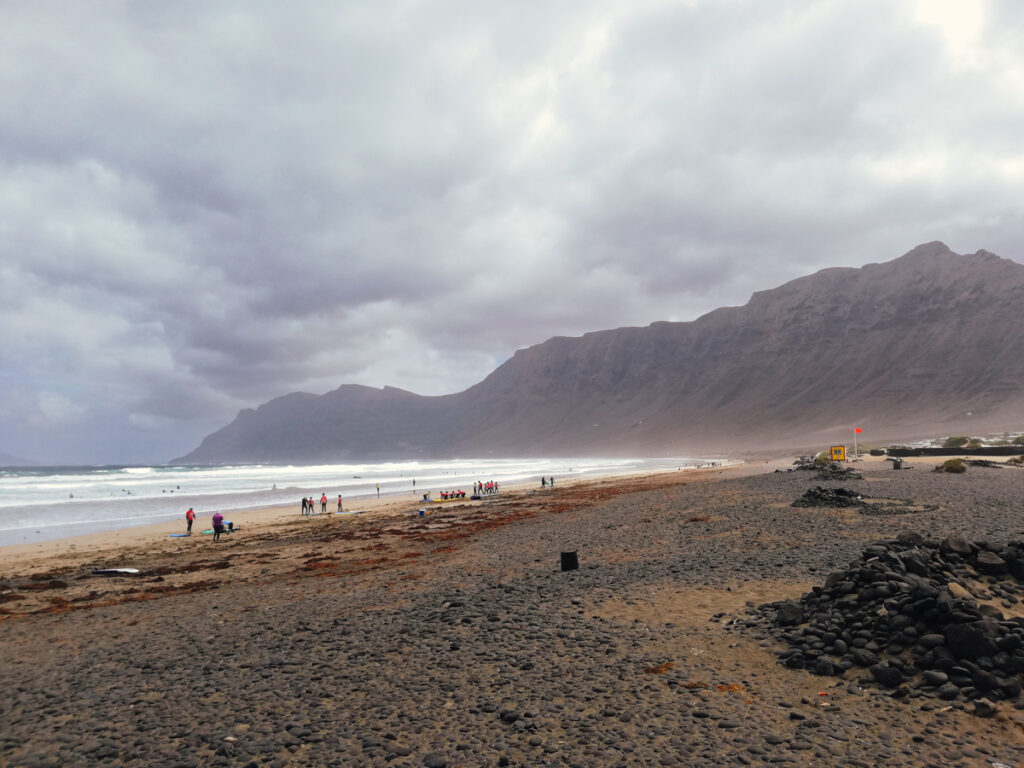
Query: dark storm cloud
[203,207]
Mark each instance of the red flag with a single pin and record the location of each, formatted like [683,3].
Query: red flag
[857,430]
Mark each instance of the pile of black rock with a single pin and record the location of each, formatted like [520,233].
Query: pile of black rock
[922,618]
[843,497]
[829,497]
[833,470]
[828,470]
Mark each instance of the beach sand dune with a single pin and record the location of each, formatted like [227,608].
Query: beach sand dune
[454,639]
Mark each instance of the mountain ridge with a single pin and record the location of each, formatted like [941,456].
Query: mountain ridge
[929,339]
[9,460]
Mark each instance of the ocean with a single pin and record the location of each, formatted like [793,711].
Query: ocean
[40,503]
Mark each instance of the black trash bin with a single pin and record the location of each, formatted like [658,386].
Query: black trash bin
[570,562]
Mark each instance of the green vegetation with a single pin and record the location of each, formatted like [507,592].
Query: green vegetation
[955,466]
[956,442]
[975,443]
[1019,439]
[1016,460]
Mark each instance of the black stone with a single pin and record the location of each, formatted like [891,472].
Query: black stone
[970,640]
[888,676]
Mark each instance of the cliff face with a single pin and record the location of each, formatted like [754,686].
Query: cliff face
[930,342]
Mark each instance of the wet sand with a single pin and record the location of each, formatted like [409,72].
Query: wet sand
[454,639]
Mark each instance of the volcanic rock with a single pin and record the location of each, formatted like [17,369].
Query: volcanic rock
[829,497]
[910,595]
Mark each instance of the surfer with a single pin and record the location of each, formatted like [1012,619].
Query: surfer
[323,503]
[339,503]
[189,516]
[218,525]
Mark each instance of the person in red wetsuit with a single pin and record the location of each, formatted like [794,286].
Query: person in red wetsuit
[323,503]
[189,516]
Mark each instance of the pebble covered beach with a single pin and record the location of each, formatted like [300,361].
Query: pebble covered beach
[455,639]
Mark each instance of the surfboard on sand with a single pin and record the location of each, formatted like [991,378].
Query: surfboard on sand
[180,535]
[116,571]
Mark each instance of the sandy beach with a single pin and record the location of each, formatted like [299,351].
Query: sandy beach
[454,639]
[124,546]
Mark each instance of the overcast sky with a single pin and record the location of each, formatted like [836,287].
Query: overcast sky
[207,205]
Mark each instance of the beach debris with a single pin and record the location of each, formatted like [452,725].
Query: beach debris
[984,463]
[660,669]
[730,688]
[39,584]
[921,618]
[116,571]
[570,561]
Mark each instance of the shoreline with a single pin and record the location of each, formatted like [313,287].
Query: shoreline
[256,522]
[263,521]
[35,520]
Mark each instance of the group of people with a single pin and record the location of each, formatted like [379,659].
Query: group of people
[485,489]
[546,481]
[445,495]
[309,505]
[220,525]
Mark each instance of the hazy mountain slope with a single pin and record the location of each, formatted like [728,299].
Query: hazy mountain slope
[932,340]
[7,460]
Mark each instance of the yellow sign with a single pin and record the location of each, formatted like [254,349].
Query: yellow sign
[838,453]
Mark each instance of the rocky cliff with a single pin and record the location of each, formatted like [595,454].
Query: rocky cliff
[928,343]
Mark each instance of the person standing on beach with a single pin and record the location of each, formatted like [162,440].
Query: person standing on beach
[189,516]
[339,502]
[218,525]
[304,506]
[323,503]
[378,490]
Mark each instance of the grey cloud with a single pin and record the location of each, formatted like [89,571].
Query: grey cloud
[203,207]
